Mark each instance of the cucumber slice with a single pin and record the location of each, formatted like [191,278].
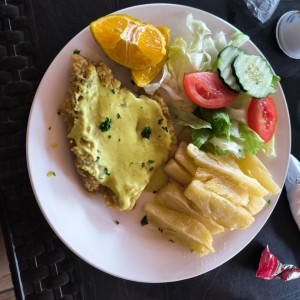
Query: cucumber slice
[253,74]
[224,62]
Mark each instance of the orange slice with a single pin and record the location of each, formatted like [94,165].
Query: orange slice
[145,76]
[128,41]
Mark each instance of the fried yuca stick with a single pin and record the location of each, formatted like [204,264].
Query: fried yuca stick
[217,207]
[233,174]
[172,196]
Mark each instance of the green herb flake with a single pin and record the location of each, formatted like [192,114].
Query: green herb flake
[105,126]
[165,128]
[131,163]
[106,171]
[151,169]
[118,116]
[144,221]
[76,51]
[142,164]
[146,132]
[53,145]
[119,140]
[51,174]
[97,159]
[150,161]
[117,222]
[113,91]
[109,136]
[269,202]
[160,121]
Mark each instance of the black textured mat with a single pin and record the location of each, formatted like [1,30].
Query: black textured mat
[43,266]
[32,32]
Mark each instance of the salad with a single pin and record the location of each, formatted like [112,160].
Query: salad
[219,91]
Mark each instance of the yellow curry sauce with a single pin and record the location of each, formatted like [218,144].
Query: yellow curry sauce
[122,139]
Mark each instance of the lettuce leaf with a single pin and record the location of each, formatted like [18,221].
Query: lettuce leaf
[218,118]
[197,52]
[225,136]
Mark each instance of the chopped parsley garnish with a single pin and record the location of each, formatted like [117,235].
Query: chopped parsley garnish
[109,136]
[113,91]
[160,121]
[131,163]
[165,128]
[51,173]
[97,159]
[142,164]
[151,169]
[106,171]
[105,126]
[269,202]
[150,161]
[146,132]
[54,145]
[117,222]
[118,116]
[144,221]
[119,140]
[76,51]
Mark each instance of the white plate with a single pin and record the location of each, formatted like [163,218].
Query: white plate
[81,220]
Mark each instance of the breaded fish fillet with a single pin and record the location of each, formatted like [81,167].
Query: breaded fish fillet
[93,113]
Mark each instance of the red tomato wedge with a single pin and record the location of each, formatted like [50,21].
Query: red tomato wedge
[207,90]
[262,117]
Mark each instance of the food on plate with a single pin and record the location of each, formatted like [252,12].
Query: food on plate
[142,77]
[262,117]
[128,41]
[224,62]
[224,170]
[172,196]
[217,207]
[220,192]
[254,168]
[207,90]
[215,90]
[243,72]
[179,227]
[119,140]
[179,173]
[211,71]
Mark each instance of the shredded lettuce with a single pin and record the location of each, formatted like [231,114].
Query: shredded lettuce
[225,136]
[269,148]
[218,118]
[197,53]
[238,39]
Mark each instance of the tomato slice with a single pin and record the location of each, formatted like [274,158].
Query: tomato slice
[207,90]
[262,117]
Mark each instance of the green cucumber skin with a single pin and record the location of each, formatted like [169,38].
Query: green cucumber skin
[247,84]
[230,80]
